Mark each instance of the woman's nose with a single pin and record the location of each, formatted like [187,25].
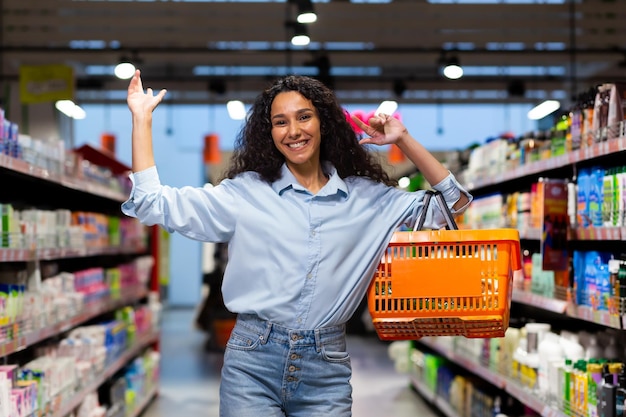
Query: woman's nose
[294,130]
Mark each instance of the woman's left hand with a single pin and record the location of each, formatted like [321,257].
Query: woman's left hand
[382,129]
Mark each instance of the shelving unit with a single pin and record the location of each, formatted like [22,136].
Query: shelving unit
[75,400]
[600,153]
[500,381]
[67,191]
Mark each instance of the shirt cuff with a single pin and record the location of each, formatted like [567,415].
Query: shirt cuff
[451,191]
[142,183]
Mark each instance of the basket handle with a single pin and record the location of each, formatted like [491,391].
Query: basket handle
[442,205]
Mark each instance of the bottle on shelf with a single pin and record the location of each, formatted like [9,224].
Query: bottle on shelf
[620,394]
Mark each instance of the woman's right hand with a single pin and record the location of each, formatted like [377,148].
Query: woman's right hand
[139,102]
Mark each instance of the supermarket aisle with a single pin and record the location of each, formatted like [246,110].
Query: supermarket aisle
[190,377]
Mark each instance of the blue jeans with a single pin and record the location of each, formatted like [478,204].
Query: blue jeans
[273,371]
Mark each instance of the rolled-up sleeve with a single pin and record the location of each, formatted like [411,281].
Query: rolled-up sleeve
[451,191]
[201,213]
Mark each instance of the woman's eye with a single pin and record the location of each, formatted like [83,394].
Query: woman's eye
[279,123]
[305,117]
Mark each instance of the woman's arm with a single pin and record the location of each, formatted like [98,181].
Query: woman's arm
[384,129]
[141,106]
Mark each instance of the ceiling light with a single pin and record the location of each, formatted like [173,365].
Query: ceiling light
[544,109]
[125,69]
[236,110]
[387,107]
[306,13]
[300,35]
[70,109]
[453,69]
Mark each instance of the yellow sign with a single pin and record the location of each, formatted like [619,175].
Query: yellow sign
[44,83]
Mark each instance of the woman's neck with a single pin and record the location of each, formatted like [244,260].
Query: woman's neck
[311,177]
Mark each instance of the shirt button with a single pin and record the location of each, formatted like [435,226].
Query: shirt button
[299,320]
[292,368]
[294,337]
[309,275]
[293,356]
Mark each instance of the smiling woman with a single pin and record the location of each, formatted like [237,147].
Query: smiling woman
[300,182]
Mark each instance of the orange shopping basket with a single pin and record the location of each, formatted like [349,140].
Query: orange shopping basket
[444,282]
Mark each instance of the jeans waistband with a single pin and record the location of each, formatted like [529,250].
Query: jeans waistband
[268,330]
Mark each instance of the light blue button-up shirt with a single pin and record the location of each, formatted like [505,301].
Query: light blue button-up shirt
[297,259]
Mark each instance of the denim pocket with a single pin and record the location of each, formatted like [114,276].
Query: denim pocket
[335,351]
[335,356]
[241,339]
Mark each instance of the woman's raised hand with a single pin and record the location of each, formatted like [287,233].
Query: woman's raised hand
[140,102]
[382,129]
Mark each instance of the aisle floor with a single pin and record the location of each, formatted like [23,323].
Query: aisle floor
[189,382]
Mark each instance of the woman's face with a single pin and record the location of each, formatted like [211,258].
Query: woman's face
[296,128]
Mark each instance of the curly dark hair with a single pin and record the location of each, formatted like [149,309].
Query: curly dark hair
[255,149]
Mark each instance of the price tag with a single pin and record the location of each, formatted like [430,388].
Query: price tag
[615,233]
[585,313]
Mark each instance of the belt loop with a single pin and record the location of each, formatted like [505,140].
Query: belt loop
[266,335]
[318,340]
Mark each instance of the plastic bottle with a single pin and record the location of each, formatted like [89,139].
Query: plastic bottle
[611,351]
[620,394]
[621,204]
[607,394]
[607,198]
[580,377]
[595,196]
[614,277]
[572,203]
[582,211]
[566,385]
[551,355]
[534,335]
[571,346]
[594,382]
[592,260]
[518,368]
[593,351]
[603,285]
[509,344]
[621,278]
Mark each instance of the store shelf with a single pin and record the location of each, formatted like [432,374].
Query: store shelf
[569,309]
[535,300]
[69,405]
[598,233]
[432,398]
[526,396]
[592,152]
[129,296]
[41,188]
[17,255]
[60,253]
[531,233]
[29,255]
[144,402]
[532,400]
[477,369]
[23,167]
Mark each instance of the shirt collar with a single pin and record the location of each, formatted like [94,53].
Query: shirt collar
[288,181]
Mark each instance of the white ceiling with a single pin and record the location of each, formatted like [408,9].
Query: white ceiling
[573,45]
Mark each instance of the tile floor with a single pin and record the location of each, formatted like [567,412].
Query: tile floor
[190,377]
